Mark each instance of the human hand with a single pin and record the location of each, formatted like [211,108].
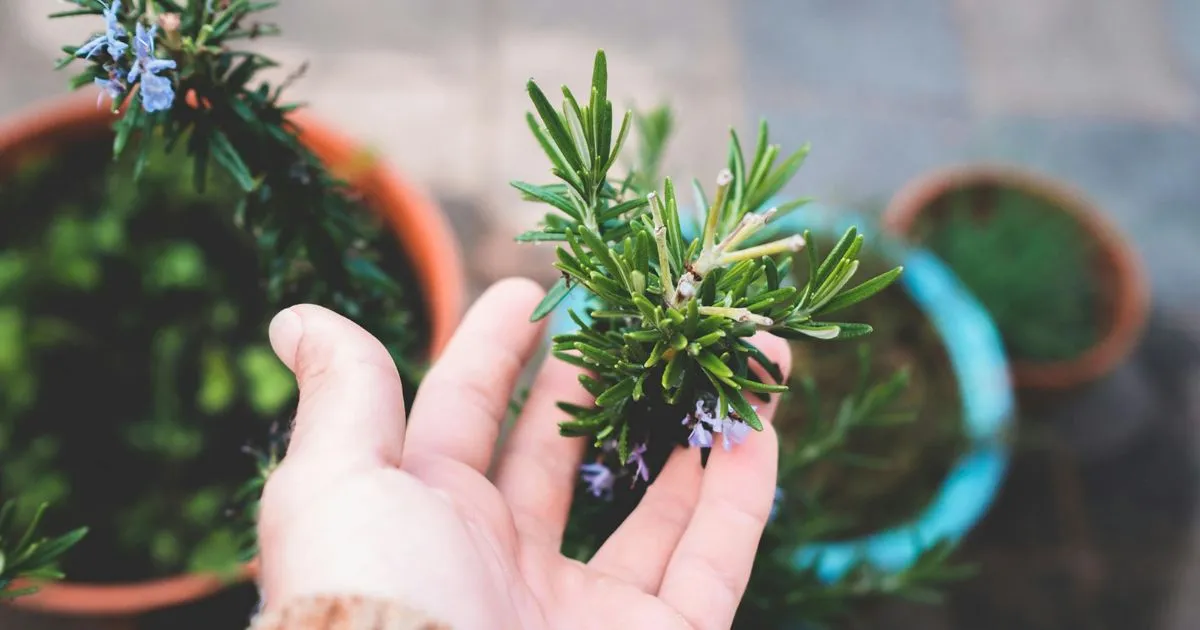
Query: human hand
[365,503]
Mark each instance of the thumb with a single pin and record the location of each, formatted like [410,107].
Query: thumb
[351,409]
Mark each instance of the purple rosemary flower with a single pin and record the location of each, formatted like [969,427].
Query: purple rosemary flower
[113,89]
[638,456]
[706,423]
[113,86]
[700,436]
[110,37]
[157,92]
[732,431]
[706,410]
[599,479]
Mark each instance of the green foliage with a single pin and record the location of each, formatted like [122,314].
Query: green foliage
[1030,264]
[200,131]
[665,327]
[778,590]
[314,241]
[173,355]
[26,553]
[780,594]
[671,315]
[882,477]
[266,460]
[654,129]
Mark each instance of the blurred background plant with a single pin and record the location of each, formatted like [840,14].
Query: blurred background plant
[1027,260]
[818,434]
[127,287]
[138,271]
[868,433]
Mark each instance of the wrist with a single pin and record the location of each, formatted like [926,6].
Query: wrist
[350,612]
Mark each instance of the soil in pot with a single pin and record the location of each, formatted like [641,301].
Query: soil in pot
[889,472]
[135,361]
[1028,261]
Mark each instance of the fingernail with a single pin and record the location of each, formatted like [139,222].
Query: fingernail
[285,332]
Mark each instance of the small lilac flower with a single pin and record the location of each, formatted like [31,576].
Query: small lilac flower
[702,410]
[112,31]
[90,48]
[732,431]
[700,436]
[599,479]
[638,456]
[735,431]
[112,88]
[157,92]
[143,48]
[775,504]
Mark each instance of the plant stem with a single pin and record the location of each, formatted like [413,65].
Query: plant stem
[737,314]
[746,228]
[790,244]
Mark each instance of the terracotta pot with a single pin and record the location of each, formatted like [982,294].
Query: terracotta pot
[1125,295]
[418,224]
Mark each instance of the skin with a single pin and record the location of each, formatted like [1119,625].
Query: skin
[429,511]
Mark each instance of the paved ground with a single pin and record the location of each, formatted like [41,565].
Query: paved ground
[1102,93]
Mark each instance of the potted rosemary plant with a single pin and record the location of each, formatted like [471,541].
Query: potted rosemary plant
[1070,297]
[145,241]
[892,449]
[660,312]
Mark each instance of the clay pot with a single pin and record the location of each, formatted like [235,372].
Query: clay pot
[419,225]
[1125,296]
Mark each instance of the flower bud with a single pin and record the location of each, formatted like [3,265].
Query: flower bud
[170,23]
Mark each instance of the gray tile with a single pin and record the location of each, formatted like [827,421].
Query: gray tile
[1073,57]
[403,77]
[687,39]
[868,50]
[862,157]
[1183,18]
[29,46]
[415,25]
[1142,175]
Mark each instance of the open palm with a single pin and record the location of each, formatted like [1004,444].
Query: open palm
[368,504]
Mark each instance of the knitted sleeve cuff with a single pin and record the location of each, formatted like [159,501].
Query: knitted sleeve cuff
[344,613]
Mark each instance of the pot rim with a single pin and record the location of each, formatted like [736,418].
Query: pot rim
[419,225]
[1129,307]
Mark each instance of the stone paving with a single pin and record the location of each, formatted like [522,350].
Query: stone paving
[1104,94]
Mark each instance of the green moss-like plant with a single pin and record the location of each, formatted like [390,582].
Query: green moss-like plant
[1029,262]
